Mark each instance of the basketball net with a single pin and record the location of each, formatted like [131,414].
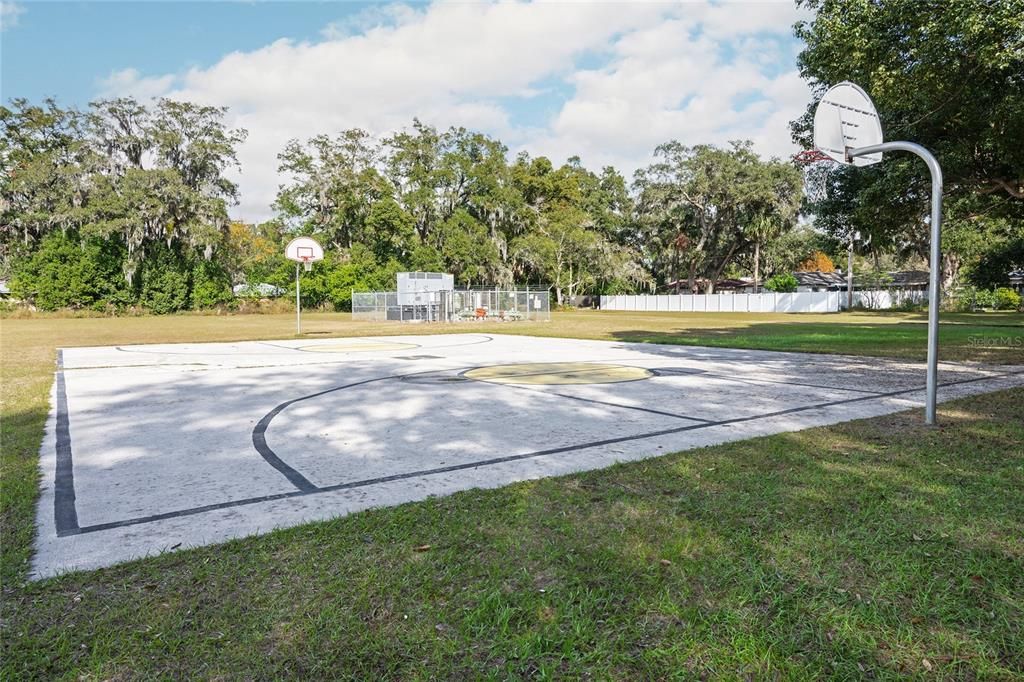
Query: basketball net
[809,156]
[307,263]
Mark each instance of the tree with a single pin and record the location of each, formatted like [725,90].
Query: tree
[697,201]
[946,75]
[45,179]
[817,262]
[762,229]
[139,179]
[334,185]
[475,176]
[252,252]
[575,220]
[389,231]
[413,166]
[466,249]
[783,254]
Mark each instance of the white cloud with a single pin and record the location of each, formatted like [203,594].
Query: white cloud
[130,83]
[666,71]
[9,13]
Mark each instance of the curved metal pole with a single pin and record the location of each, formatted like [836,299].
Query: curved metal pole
[934,262]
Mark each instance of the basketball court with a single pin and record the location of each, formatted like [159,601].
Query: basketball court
[157,447]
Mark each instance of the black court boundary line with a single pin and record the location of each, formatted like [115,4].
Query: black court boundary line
[522,387]
[635,408]
[65,514]
[497,460]
[259,432]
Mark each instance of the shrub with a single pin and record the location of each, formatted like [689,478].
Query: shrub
[211,285]
[781,283]
[68,272]
[361,272]
[1005,299]
[909,305]
[165,280]
[971,298]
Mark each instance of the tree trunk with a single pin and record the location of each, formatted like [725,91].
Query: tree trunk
[757,264]
[950,269]
[721,268]
[675,269]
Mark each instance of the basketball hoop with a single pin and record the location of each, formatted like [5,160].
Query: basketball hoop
[809,156]
[302,250]
[847,129]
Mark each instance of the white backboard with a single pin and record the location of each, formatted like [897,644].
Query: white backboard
[304,250]
[846,119]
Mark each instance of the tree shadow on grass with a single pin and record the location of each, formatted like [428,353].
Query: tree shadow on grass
[22,433]
[903,341]
[858,550]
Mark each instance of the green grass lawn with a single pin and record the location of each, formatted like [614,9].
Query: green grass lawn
[875,548]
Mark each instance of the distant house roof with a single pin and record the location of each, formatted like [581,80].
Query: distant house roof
[900,279]
[731,284]
[820,280]
[909,278]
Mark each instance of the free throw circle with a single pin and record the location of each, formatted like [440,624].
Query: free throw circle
[558,373]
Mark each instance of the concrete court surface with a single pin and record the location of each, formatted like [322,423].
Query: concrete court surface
[151,448]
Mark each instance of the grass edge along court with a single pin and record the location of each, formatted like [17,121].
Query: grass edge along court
[874,545]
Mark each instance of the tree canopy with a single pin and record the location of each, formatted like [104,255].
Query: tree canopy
[702,206]
[947,75]
[127,204]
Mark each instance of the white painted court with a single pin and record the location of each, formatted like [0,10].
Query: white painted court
[150,448]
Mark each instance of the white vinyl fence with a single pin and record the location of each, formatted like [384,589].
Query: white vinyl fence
[884,299]
[800,302]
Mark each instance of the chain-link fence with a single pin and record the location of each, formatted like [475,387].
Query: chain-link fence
[459,305]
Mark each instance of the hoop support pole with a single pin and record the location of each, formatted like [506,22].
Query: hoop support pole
[298,302]
[934,261]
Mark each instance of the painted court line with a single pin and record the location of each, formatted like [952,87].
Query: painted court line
[64,494]
[65,515]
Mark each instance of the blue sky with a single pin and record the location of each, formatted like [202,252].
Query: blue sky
[65,49]
[605,81]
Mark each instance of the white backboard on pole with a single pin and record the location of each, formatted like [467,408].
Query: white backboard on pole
[304,250]
[846,119]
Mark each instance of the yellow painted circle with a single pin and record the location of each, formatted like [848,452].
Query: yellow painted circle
[357,347]
[555,373]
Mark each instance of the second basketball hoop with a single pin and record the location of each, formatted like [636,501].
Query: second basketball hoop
[307,251]
[304,250]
